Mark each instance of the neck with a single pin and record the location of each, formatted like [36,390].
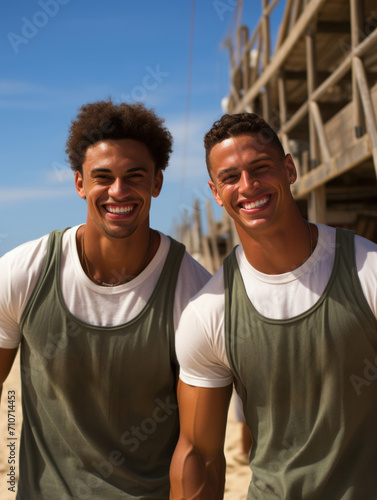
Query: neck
[279,251]
[109,261]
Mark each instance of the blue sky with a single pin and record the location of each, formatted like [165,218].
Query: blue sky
[59,54]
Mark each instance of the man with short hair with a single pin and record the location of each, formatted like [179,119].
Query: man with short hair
[291,319]
[94,309]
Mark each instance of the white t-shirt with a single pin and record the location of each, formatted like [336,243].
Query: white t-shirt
[96,305]
[200,338]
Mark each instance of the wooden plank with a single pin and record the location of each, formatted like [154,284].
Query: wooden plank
[333,79]
[316,114]
[367,103]
[311,85]
[212,235]
[266,97]
[358,152]
[245,60]
[196,227]
[356,28]
[283,52]
[267,9]
[295,13]
[284,24]
[282,97]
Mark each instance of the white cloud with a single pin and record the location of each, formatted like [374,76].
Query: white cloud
[11,195]
[14,87]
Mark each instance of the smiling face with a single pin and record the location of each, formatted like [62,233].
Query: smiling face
[118,181]
[251,182]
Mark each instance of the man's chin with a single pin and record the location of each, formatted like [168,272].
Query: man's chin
[119,233]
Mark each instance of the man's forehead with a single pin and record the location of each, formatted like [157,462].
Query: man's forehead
[233,146]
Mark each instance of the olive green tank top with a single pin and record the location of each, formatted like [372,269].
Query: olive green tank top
[99,404]
[309,388]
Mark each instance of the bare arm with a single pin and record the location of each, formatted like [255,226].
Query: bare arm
[6,361]
[198,466]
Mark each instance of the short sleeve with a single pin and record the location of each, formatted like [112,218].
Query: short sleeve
[200,351]
[19,271]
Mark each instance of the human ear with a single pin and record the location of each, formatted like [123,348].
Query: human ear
[290,168]
[211,184]
[158,181]
[79,183]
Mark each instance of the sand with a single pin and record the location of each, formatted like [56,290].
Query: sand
[237,478]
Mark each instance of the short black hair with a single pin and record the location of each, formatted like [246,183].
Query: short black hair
[240,124]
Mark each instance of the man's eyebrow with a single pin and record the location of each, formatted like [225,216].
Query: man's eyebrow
[100,169]
[108,170]
[226,170]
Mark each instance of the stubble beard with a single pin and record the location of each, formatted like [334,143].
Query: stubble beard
[119,233]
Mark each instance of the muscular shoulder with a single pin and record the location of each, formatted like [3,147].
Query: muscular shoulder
[209,300]
[25,261]
[19,271]
[191,278]
[200,338]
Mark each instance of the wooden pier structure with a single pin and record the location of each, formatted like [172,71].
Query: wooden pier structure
[318,89]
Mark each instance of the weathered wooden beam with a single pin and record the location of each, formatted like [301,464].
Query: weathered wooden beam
[316,115]
[356,29]
[370,117]
[256,60]
[357,153]
[283,115]
[333,79]
[295,12]
[196,227]
[311,64]
[212,230]
[266,98]
[283,28]
[317,206]
[268,8]
[283,52]
[245,59]
[254,38]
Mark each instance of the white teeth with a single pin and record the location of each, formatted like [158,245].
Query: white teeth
[119,210]
[256,204]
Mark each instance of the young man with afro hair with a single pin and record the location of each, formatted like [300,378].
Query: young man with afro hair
[94,309]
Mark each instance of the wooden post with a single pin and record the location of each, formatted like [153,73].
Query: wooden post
[317,205]
[212,231]
[245,58]
[366,100]
[284,24]
[283,52]
[283,116]
[312,83]
[266,59]
[356,30]
[295,12]
[318,124]
[196,228]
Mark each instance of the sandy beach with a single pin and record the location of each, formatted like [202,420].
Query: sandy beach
[237,479]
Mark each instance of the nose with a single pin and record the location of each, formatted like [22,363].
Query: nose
[119,189]
[247,181]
